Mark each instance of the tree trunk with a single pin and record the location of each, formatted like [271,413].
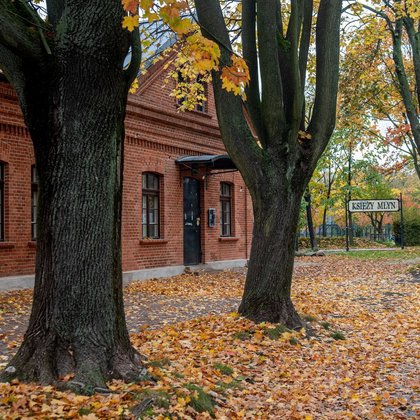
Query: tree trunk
[75,111]
[277,167]
[324,221]
[351,229]
[267,290]
[324,215]
[310,221]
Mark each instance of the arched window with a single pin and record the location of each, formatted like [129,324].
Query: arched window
[2,205]
[150,205]
[225,209]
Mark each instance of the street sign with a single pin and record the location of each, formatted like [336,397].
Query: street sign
[374,205]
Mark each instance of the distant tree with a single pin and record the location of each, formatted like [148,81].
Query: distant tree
[330,174]
[381,75]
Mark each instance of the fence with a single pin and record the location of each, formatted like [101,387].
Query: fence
[367,232]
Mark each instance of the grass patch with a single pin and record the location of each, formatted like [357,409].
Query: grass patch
[224,386]
[160,398]
[294,341]
[159,363]
[148,413]
[275,333]
[338,335]
[226,370]
[403,254]
[243,335]
[325,325]
[309,318]
[84,411]
[200,400]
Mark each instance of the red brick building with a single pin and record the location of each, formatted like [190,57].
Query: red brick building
[177,210]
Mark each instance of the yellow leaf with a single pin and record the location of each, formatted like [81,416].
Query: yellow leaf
[130,22]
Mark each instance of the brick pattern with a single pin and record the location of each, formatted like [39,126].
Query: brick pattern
[156,134]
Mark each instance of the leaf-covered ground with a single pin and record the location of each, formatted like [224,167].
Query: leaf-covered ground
[358,357]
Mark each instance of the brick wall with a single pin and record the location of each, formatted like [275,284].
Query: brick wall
[156,134]
[17,252]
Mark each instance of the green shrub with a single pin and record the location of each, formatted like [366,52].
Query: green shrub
[411,232]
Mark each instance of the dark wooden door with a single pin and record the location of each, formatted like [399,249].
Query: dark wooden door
[192,243]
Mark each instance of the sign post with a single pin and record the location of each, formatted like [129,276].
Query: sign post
[374,205]
[401,223]
[347,227]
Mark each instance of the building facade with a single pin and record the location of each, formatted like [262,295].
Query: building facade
[183,204]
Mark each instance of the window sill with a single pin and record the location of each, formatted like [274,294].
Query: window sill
[32,244]
[7,245]
[197,112]
[153,241]
[202,113]
[228,239]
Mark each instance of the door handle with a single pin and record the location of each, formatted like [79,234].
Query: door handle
[198,221]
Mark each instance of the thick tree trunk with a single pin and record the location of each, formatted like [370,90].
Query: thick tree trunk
[77,323]
[267,291]
[74,107]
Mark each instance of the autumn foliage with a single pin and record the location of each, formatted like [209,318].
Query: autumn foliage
[355,358]
[194,56]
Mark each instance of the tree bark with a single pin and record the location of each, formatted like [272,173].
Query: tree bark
[268,284]
[74,107]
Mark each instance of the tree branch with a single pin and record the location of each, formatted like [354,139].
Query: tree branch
[288,50]
[414,39]
[236,134]
[272,107]
[136,52]
[249,43]
[16,34]
[322,122]
[55,10]
[305,41]
[11,65]
[404,87]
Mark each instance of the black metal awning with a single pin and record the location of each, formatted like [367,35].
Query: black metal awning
[207,161]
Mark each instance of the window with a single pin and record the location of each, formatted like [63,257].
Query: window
[2,201]
[225,209]
[150,205]
[34,201]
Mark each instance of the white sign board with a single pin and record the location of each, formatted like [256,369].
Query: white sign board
[373,205]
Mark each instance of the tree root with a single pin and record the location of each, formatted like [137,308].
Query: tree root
[89,367]
[276,312]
